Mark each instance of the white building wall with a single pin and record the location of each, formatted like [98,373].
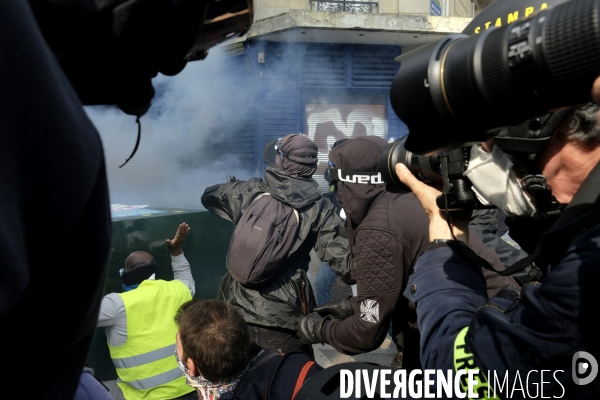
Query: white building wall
[270,8]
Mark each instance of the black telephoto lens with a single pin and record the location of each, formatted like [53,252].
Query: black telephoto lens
[452,92]
[425,168]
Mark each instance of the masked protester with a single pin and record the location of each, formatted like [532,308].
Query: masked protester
[270,308]
[139,324]
[215,356]
[387,233]
[547,173]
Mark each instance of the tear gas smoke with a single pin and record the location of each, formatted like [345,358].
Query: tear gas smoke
[180,152]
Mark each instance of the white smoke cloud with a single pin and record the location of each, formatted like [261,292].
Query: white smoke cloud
[171,167]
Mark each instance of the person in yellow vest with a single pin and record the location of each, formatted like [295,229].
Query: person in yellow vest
[139,324]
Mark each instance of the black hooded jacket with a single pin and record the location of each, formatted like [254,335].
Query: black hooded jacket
[387,232]
[277,302]
[53,191]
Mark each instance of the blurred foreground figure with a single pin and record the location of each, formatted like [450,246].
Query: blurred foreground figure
[56,55]
[216,358]
[140,328]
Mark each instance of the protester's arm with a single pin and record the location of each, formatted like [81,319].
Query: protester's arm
[113,317]
[332,243]
[112,309]
[182,272]
[181,267]
[230,200]
[364,331]
[379,288]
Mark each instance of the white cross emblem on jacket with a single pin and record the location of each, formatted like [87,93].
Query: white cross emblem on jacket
[369,311]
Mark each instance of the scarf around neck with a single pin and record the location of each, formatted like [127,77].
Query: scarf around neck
[215,391]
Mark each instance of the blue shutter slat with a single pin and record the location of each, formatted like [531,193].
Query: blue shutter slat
[324,66]
[373,66]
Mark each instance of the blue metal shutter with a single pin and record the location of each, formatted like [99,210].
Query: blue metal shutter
[234,136]
[374,66]
[324,66]
[280,94]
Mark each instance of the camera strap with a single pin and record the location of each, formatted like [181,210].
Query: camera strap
[137,142]
[442,203]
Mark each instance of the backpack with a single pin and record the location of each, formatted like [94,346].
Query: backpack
[260,378]
[262,240]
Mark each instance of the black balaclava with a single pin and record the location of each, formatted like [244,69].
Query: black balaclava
[297,156]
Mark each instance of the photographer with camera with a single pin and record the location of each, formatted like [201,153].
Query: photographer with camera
[387,233]
[550,328]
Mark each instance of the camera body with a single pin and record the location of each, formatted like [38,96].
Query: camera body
[446,168]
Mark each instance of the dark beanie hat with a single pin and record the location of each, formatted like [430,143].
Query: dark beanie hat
[358,154]
[297,156]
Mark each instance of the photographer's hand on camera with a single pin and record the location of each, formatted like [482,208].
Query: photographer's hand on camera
[439,228]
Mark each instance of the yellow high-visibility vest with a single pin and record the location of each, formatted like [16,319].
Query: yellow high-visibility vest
[146,363]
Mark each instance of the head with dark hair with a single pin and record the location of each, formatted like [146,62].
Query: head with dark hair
[212,340]
[582,125]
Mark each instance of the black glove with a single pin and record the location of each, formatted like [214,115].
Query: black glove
[341,310]
[231,178]
[308,328]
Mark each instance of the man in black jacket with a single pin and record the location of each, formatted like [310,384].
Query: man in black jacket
[270,309]
[387,233]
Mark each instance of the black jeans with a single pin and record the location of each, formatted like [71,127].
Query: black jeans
[276,339]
